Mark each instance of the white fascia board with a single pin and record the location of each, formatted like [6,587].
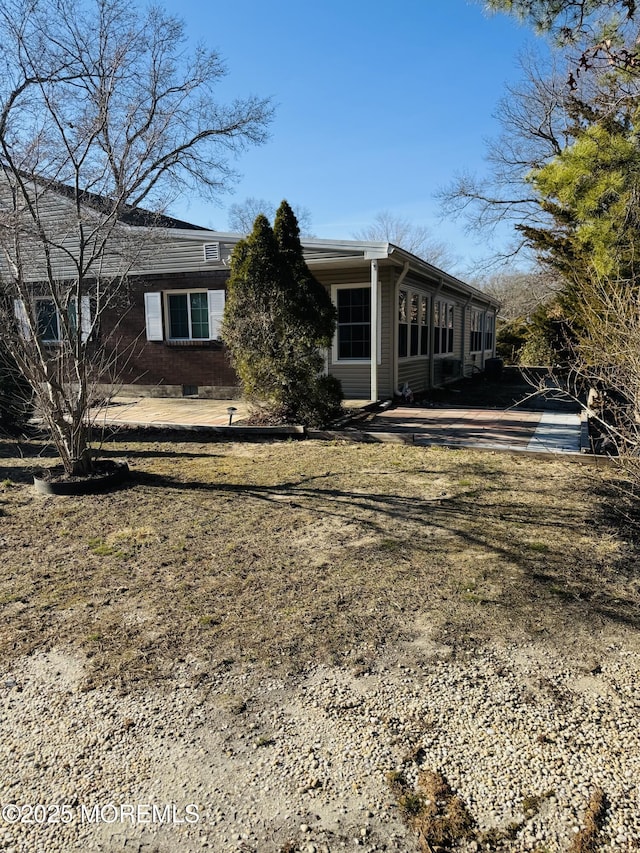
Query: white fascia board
[381,248]
[343,261]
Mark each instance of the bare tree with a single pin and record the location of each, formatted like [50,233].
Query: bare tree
[607,361]
[520,292]
[536,124]
[102,110]
[242,215]
[416,239]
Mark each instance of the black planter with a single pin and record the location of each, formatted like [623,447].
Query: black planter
[107,474]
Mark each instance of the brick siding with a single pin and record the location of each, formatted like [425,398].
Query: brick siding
[157,363]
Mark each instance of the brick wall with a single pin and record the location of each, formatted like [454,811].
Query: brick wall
[157,363]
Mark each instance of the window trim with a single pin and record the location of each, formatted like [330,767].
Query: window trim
[438,329]
[476,318]
[422,327]
[187,294]
[335,359]
[215,301]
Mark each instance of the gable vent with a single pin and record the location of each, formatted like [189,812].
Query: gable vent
[212,252]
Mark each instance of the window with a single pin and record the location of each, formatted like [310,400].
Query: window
[354,323]
[424,325]
[413,324]
[415,328]
[403,333]
[488,332]
[48,321]
[443,327]
[476,331]
[188,316]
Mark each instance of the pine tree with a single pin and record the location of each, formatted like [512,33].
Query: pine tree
[278,318]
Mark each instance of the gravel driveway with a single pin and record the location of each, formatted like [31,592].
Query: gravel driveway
[231,761]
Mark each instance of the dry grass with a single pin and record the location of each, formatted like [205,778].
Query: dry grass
[278,554]
[437,815]
[587,840]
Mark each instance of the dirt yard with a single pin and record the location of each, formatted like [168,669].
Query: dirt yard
[268,631]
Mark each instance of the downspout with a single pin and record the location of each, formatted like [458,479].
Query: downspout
[432,335]
[394,326]
[374,331]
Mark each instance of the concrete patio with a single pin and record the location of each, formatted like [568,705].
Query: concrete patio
[493,429]
[513,429]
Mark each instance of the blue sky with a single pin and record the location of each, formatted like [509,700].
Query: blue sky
[377,104]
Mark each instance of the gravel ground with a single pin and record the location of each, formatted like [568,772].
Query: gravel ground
[226,761]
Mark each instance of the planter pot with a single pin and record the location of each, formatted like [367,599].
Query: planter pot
[107,475]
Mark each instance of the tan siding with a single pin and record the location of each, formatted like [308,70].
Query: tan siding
[415,372]
[355,377]
[356,276]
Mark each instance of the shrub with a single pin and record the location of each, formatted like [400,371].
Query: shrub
[15,397]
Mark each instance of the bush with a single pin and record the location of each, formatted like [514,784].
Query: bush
[322,403]
[510,340]
[15,397]
[278,319]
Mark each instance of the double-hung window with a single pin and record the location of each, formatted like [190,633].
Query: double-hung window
[354,323]
[188,315]
[184,315]
[476,331]
[488,332]
[413,324]
[443,327]
[48,322]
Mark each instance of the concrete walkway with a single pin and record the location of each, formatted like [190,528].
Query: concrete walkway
[513,430]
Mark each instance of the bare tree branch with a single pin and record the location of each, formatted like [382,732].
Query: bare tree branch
[102,109]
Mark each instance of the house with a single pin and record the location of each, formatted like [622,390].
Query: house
[401,321]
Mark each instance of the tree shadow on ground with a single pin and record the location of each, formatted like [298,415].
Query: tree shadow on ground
[556,583]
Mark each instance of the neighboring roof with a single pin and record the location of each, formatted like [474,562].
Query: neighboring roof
[134,216]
